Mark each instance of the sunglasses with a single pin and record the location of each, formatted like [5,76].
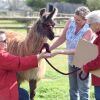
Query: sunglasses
[4,41]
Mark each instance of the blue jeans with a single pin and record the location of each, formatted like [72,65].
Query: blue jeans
[23,94]
[78,88]
[97,92]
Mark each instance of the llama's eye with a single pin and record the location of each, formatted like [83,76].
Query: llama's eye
[44,17]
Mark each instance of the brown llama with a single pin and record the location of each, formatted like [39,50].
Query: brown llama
[32,44]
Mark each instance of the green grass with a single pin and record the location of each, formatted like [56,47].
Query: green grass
[54,86]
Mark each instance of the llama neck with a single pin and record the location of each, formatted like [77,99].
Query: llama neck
[35,44]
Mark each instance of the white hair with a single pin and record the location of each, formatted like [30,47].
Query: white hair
[94,16]
[2,36]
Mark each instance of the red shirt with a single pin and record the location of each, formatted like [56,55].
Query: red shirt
[9,65]
[94,64]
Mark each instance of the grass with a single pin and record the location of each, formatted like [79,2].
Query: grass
[54,86]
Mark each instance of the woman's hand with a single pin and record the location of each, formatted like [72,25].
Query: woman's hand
[43,55]
[82,69]
[54,53]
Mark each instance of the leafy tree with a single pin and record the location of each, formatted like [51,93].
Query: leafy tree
[41,3]
[93,4]
[77,1]
[36,3]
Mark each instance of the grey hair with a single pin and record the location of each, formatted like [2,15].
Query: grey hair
[2,35]
[94,16]
[82,11]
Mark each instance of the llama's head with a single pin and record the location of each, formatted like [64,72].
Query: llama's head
[45,24]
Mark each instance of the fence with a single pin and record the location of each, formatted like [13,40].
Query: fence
[27,21]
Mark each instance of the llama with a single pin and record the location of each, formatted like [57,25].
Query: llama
[32,44]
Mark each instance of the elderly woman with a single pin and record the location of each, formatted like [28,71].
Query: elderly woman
[75,29]
[94,22]
[9,66]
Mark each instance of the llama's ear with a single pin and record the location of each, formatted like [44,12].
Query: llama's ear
[42,11]
[53,13]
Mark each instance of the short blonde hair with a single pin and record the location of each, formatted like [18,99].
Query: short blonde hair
[82,11]
[94,16]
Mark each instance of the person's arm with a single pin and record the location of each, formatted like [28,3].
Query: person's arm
[61,39]
[18,63]
[94,64]
[64,52]
[88,35]
[67,52]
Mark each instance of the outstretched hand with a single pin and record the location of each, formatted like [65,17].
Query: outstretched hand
[43,55]
[82,69]
[46,55]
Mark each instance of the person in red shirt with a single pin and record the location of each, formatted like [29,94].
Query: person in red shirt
[9,65]
[93,19]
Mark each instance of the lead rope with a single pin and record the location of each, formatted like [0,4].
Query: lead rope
[46,46]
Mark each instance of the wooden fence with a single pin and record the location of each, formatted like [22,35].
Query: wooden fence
[28,20]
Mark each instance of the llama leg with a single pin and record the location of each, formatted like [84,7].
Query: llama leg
[32,85]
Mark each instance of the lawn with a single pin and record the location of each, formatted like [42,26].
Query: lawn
[54,86]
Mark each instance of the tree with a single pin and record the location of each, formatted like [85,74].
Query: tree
[36,3]
[77,1]
[41,3]
[93,4]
